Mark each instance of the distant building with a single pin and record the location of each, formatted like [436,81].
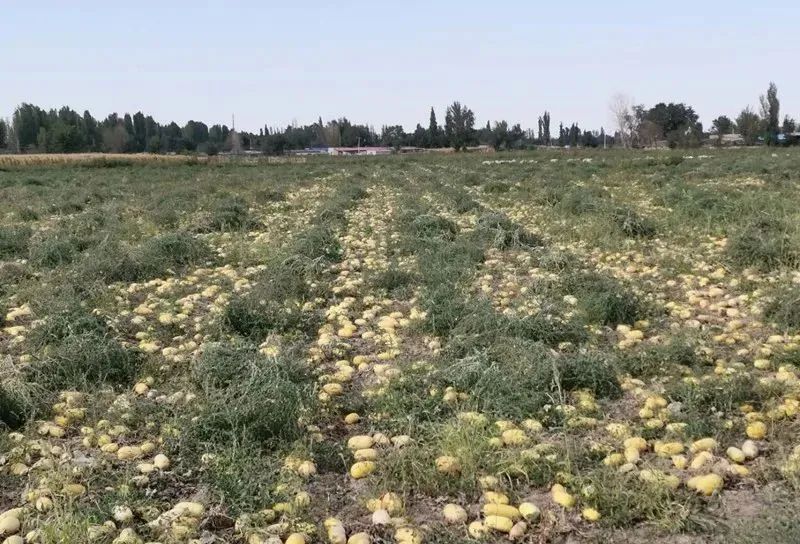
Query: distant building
[791,138]
[359,151]
[309,151]
[732,139]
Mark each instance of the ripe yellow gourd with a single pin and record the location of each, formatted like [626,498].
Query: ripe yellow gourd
[127,453]
[74,490]
[590,514]
[635,442]
[362,469]
[750,449]
[477,530]
[296,538]
[367,454]
[448,465]
[380,517]
[407,535]
[504,510]
[529,511]
[736,455]
[707,484]
[756,430]
[306,469]
[359,538]
[495,497]
[561,496]
[454,513]
[668,449]
[704,444]
[514,437]
[518,530]
[498,523]
[9,525]
[360,442]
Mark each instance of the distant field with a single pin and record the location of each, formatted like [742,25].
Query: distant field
[564,346]
[90,158]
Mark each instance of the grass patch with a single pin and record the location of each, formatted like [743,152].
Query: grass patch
[433,227]
[229,213]
[632,224]
[500,232]
[764,243]
[514,379]
[14,241]
[248,398]
[159,256]
[625,500]
[661,359]
[784,308]
[85,360]
[604,300]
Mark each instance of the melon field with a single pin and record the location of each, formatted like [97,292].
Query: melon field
[544,347]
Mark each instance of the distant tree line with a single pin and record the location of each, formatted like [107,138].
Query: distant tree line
[677,125]
[458,132]
[32,129]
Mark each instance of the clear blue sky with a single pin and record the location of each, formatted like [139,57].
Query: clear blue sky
[388,62]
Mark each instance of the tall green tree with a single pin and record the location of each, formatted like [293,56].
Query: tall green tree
[3,134]
[127,123]
[459,126]
[27,121]
[546,127]
[92,132]
[723,125]
[418,138]
[433,135]
[139,132]
[749,125]
[770,113]
[676,123]
[501,139]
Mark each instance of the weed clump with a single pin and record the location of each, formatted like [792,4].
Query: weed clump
[632,224]
[515,378]
[497,187]
[502,233]
[274,304]
[784,308]
[604,300]
[393,280]
[765,244]
[463,203]
[53,251]
[319,244]
[20,398]
[433,226]
[158,256]
[81,361]
[229,213]
[14,241]
[661,359]
[248,397]
[10,275]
